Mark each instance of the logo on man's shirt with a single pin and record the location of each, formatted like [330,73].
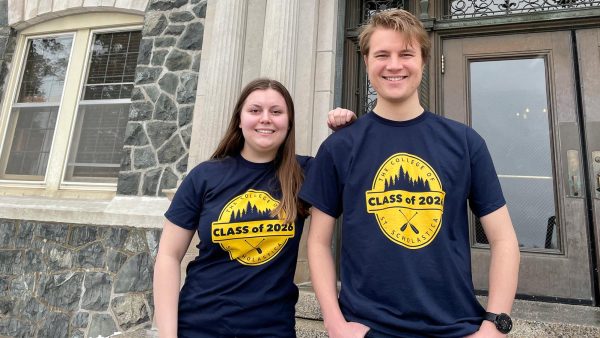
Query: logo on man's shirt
[247,230]
[408,200]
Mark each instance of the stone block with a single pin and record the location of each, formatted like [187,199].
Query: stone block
[150,184]
[171,151]
[135,242]
[168,181]
[140,111]
[152,239]
[55,325]
[96,294]
[130,310]
[154,24]
[90,256]
[166,109]
[56,256]
[11,262]
[135,275]
[192,37]
[186,93]
[186,135]
[185,115]
[165,5]
[80,320]
[24,234]
[128,183]
[152,91]
[168,83]
[174,29]
[22,286]
[53,231]
[6,306]
[181,16]
[164,42]
[135,134]
[178,60]
[158,57]
[12,327]
[116,237]
[126,159]
[33,309]
[144,75]
[159,132]
[143,157]
[200,10]
[85,234]
[115,260]
[102,325]
[7,233]
[33,261]
[145,51]
[182,165]
[61,290]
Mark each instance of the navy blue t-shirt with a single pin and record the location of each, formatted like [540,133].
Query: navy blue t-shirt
[241,283]
[403,189]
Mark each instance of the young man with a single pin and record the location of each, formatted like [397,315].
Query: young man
[402,177]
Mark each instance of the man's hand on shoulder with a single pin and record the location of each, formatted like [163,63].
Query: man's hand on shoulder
[339,118]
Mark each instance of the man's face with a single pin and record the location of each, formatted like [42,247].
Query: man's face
[394,66]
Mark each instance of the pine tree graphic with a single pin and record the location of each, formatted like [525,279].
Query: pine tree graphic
[251,213]
[403,181]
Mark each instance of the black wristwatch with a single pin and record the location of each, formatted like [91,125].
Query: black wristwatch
[502,321]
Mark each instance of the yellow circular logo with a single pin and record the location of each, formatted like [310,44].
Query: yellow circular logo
[408,200]
[247,231]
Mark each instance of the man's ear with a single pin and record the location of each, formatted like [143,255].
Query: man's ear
[365,60]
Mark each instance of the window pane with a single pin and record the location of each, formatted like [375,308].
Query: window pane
[45,69]
[98,146]
[32,138]
[509,108]
[112,66]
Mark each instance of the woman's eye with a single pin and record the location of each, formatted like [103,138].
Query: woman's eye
[276,112]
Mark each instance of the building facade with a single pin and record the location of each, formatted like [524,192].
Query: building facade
[106,104]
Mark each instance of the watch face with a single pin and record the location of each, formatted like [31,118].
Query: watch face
[503,323]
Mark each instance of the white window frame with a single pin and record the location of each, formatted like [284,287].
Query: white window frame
[81,27]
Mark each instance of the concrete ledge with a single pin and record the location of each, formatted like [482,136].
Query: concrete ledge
[133,211]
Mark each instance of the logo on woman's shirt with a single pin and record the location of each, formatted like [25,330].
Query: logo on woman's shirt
[247,230]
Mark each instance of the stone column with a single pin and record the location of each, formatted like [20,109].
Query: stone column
[221,72]
[279,41]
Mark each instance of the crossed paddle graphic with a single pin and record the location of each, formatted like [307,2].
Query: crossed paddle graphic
[403,227]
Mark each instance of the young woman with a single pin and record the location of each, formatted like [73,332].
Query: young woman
[243,203]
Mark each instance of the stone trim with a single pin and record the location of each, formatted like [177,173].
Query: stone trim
[25,13]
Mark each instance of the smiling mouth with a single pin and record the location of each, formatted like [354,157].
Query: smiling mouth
[264,131]
[395,78]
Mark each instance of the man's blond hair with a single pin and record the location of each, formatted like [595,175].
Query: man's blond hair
[398,20]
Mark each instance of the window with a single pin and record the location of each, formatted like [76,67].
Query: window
[65,117]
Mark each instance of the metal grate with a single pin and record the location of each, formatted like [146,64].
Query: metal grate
[458,9]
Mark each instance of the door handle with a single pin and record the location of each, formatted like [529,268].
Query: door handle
[596,168]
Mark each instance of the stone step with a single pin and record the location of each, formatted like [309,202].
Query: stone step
[531,319]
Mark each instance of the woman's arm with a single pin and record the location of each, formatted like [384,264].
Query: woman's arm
[173,245]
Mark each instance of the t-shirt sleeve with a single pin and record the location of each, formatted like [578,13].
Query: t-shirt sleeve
[485,195]
[322,187]
[186,206]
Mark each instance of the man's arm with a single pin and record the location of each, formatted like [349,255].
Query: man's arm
[339,118]
[504,267]
[173,245]
[322,274]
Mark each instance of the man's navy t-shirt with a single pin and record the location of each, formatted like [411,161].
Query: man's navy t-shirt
[403,189]
[241,283]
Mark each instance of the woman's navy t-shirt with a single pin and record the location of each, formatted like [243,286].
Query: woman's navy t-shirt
[241,283]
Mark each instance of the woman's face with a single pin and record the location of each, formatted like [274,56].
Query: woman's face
[264,121]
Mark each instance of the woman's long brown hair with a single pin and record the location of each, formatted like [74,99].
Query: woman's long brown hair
[288,170]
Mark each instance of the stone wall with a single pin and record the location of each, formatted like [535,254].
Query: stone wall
[159,128]
[72,280]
